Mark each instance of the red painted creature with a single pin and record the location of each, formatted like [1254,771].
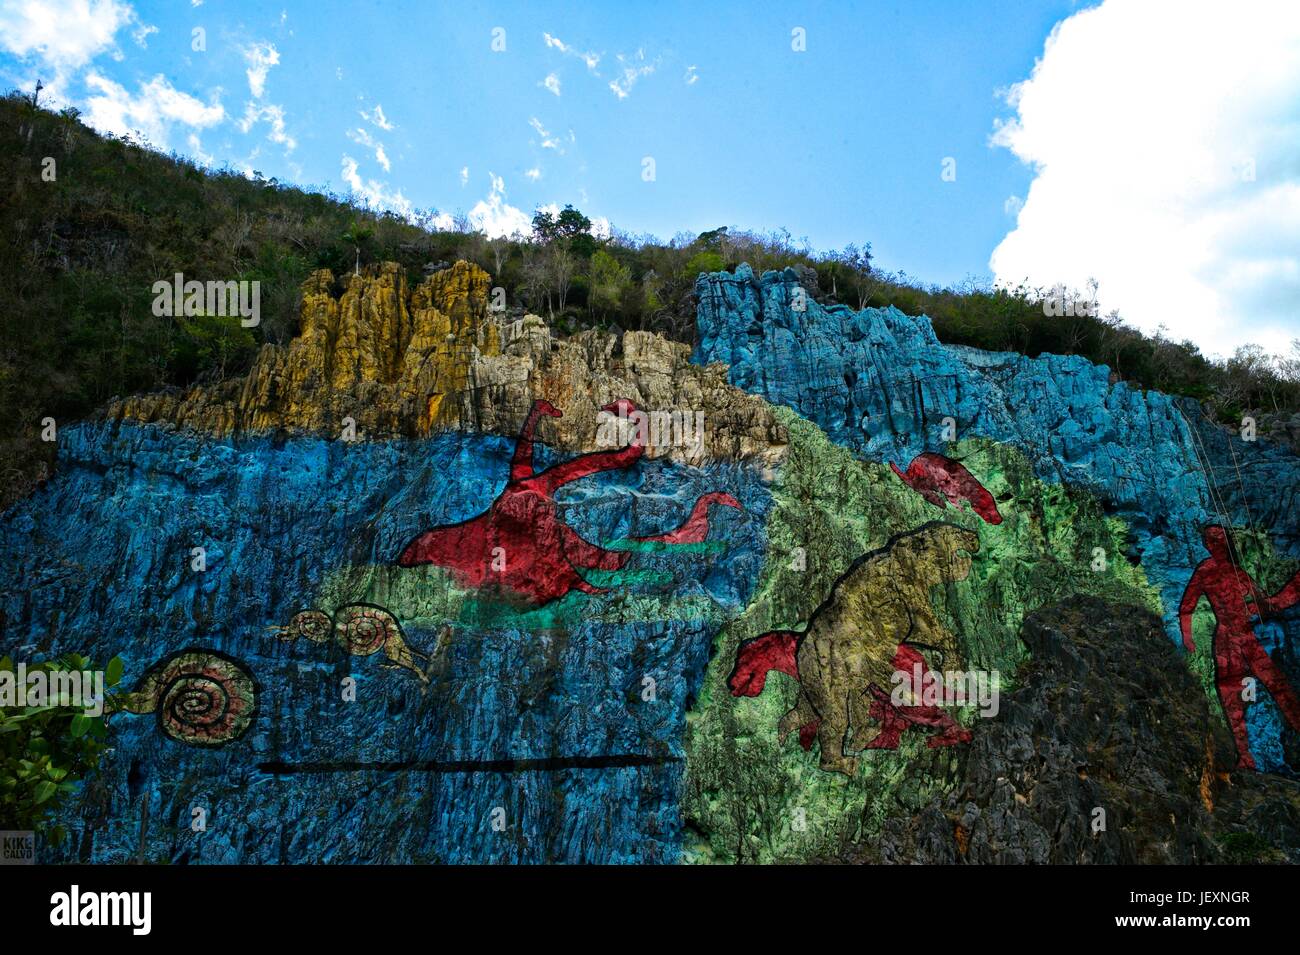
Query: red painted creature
[942,481]
[1236,599]
[521,545]
[867,633]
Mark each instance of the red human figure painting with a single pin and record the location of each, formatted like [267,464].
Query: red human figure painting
[1236,600]
[521,545]
[943,481]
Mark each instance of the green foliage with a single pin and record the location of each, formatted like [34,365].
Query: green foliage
[214,343]
[567,225]
[1244,848]
[706,261]
[610,281]
[45,751]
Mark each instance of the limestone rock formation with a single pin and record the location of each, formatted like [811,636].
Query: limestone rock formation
[404,362]
[1105,754]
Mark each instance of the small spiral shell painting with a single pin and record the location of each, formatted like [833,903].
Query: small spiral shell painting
[359,628]
[201,698]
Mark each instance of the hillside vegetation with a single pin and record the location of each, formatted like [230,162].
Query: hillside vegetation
[86,246]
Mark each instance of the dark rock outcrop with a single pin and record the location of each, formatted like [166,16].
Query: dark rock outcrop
[1106,718]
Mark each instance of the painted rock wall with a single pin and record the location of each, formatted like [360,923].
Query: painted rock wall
[879,383]
[605,652]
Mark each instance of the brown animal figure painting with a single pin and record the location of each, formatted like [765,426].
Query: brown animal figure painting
[875,623]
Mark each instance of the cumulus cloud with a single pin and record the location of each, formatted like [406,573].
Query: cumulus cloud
[691,75]
[260,58]
[555,43]
[533,174]
[552,83]
[1163,138]
[494,217]
[151,112]
[64,34]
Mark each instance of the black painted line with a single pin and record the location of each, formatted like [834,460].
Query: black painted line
[543,765]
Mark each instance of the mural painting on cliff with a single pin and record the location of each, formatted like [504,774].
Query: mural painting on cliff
[361,629]
[617,696]
[521,545]
[881,384]
[943,481]
[200,697]
[1235,599]
[873,625]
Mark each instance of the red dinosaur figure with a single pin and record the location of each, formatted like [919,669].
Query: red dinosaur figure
[1237,652]
[942,481]
[521,545]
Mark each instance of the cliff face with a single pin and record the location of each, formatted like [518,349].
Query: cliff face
[403,362]
[880,384]
[651,705]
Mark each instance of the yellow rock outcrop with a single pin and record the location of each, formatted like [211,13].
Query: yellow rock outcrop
[405,362]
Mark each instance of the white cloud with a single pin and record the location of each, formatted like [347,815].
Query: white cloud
[1163,137]
[601,227]
[631,69]
[363,138]
[494,217]
[152,111]
[547,140]
[533,174]
[691,76]
[1012,205]
[141,34]
[464,175]
[552,83]
[64,34]
[376,117]
[196,150]
[273,116]
[376,194]
[555,43]
[260,58]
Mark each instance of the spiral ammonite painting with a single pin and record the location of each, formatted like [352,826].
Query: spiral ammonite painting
[430,586]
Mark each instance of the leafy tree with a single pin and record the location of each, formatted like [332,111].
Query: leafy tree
[569,226]
[356,236]
[610,282]
[705,261]
[216,342]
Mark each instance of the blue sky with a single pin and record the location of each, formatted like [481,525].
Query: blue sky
[841,142]
[409,105]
